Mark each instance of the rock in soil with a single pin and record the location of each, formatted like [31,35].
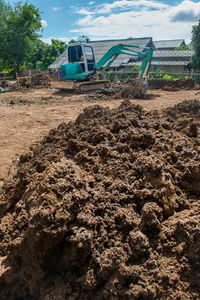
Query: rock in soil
[106,207]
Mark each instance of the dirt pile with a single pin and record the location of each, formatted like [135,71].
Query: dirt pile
[158,83]
[131,88]
[106,207]
[9,85]
[34,78]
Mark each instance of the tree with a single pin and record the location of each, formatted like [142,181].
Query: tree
[182,47]
[72,41]
[18,33]
[45,54]
[196,46]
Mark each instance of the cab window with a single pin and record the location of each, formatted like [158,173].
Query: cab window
[75,53]
[89,53]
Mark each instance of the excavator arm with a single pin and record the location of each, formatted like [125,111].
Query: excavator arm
[136,51]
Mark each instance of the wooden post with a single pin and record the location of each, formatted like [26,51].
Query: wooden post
[17,79]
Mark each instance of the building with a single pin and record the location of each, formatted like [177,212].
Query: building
[101,47]
[165,58]
[169,44]
[169,61]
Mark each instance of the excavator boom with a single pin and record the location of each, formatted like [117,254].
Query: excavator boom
[136,51]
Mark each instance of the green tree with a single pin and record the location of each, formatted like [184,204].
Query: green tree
[72,41]
[182,47]
[45,54]
[196,46]
[18,33]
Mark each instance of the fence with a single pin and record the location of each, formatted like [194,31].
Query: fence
[122,74]
[6,76]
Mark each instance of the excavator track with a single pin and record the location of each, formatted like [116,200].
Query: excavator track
[84,86]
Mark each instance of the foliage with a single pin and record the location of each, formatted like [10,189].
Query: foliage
[196,45]
[137,68]
[72,41]
[182,47]
[18,33]
[45,54]
[20,46]
[163,75]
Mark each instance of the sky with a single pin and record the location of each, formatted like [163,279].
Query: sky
[117,19]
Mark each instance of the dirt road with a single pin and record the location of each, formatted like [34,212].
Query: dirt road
[26,117]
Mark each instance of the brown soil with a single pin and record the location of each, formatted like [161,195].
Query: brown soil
[106,207]
[27,115]
[159,83]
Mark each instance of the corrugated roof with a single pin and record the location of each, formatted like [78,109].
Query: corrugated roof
[172,53]
[168,57]
[169,44]
[101,47]
[170,63]
[59,61]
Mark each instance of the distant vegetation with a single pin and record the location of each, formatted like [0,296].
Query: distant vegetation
[21,46]
[19,27]
[45,54]
[196,45]
[182,47]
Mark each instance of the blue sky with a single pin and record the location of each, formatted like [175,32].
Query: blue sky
[112,19]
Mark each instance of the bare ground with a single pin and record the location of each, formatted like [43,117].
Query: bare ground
[27,116]
[106,207]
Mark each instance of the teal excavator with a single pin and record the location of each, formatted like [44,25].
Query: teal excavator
[80,72]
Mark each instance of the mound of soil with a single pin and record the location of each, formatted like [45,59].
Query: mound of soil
[133,88]
[9,85]
[158,83]
[33,78]
[130,88]
[106,207]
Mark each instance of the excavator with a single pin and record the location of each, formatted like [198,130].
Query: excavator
[81,73]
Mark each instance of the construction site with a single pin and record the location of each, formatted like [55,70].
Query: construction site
[99,191]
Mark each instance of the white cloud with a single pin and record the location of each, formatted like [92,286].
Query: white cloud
[127,4]
[187,11]
[56,8]
[44,23]
[153,19]
[91,2]
[84,11]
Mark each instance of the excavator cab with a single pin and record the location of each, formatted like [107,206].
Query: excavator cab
[80,62]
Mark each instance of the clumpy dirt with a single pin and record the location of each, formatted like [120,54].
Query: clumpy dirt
[34,78]
[106,207]
[168,85]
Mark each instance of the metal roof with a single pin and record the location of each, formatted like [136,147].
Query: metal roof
[101,47]
[170,44]
[168,57]
[173,53]
[59,61]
